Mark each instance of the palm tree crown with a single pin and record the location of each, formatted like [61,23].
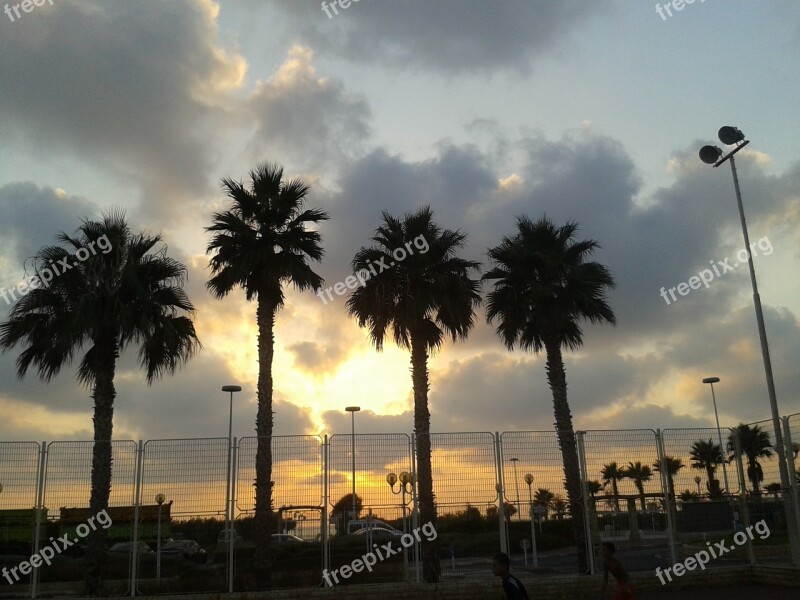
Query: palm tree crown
[755,443]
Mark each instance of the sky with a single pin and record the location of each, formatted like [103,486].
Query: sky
[586,112]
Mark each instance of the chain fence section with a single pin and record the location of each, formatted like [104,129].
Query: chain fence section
[382,511]
[700,464]
[625,489]
[533,480]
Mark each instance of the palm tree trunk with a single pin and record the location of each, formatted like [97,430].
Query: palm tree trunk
[557,380]
[103,395]
[616,493]
[422,429]
[263,521]
[640,487]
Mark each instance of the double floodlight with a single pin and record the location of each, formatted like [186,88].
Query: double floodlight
[727,135]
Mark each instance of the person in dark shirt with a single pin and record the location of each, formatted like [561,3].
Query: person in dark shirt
[513,588]
[613,565]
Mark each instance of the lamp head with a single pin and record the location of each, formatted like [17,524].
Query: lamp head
[697,479]
[730,135]
[391,479]
[231,388]
[352,408]
[160,499]
[710,154]
[528,478]
[711,380]
[405,477]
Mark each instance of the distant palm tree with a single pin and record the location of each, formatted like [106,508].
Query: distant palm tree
[262,243]
[130,294]
[422,298]
[559,506]
[688,496]
[613,474]
[673,466]
[594,487]
[543,289]
[755,443]
[774,489]
[544,498]
[639,473]
[708,456]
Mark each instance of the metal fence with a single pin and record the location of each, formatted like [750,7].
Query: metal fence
[642,489]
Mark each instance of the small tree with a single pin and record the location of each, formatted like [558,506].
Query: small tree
[341,512]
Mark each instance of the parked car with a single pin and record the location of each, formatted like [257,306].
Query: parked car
[224,537]
[189,549]
[127,548]
[380,534]
[356,524]
[286,538]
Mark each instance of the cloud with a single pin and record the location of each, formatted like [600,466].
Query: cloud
[445,35]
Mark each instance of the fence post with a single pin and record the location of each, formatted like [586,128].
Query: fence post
[38,513]
[137,500]
[324,527]
[743,506]
[589,533]
[792,503]
[415,498]
[232,487]
[498,459]
[662,459]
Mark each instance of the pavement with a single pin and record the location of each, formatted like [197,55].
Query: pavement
[746,592]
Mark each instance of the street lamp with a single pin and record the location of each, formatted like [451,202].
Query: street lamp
[529,480]
[711,381]
[228,499]
[514,462]
[406,487]
[713,155]
[159,501]
[697,480]
[353,410]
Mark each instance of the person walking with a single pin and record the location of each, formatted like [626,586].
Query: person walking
[512,587]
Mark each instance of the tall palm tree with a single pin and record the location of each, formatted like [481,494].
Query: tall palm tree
[421,297]
[544,498]
[613,474]
[129,294]
[639,473]
[542,289]
[673,466]
[708,456]
[262,243]
[755,443]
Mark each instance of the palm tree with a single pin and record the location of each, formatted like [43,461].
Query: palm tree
[755,443]
[262,243]
[593,487]
[422,297]
[673,466]
[542,289]
[341,511]
[688,496]
[707,455]
[544,498]
[774,489]
[613,474]
[130,294]
[559,506]
[639,473]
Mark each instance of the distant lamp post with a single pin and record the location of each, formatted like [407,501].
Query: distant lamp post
[529,480]
[406,481]
[514,462]
[228,483]
[711,381]
[353,410]
[159,501]
[697,481]
[712,155]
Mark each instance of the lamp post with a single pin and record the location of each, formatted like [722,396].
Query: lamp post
[697,481]
[159,501]
[228,500]
[529,480]
[711,381]
[406,487]
[353,410]
[514,462]
[712,155]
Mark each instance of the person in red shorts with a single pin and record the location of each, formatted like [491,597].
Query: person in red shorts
[613,565]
